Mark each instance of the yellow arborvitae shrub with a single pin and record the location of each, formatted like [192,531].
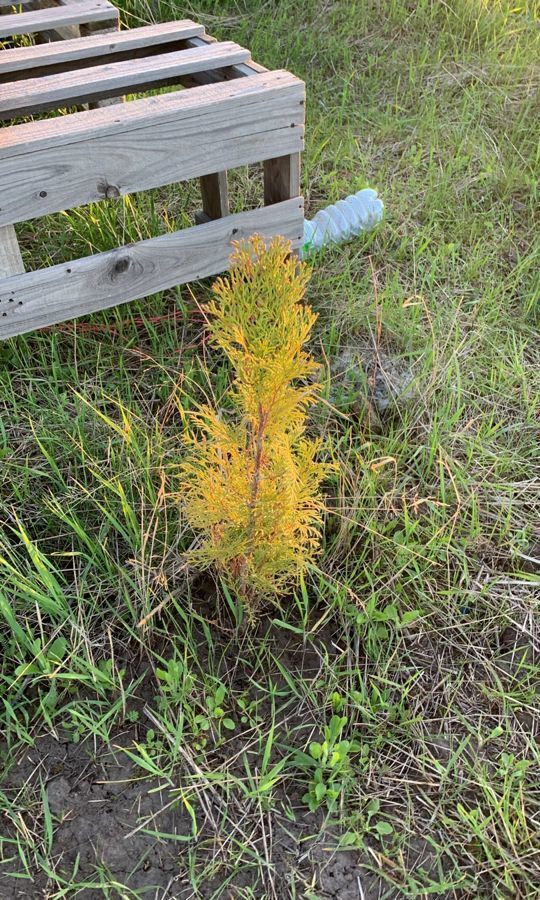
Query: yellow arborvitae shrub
[251,478]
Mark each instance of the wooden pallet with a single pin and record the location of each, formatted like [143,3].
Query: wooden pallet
[229,112]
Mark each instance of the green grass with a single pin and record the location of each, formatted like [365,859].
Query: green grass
[413,647]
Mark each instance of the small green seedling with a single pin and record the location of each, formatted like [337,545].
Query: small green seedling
[46,660]
[216,712]
[213,718]
[367,823]
[330,762]
[379,624]
[175,680]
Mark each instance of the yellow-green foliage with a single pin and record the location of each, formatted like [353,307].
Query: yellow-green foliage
[251,479]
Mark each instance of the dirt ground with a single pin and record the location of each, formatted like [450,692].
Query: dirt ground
[109,816]
[107,812]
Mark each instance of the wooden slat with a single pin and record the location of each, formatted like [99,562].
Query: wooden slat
[22,61]
[67,161]
[77,13]
[76,288]
[33,95]
[71,32]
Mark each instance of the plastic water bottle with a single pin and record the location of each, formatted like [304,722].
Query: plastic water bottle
[343,220]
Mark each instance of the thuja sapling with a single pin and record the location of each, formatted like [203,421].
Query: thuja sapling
[251,478]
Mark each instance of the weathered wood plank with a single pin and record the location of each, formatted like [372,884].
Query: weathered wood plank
[29,137]
[10,255]
[72,32]
[77,13]
[68,161]
[66,291]
[93,50]
[19,98]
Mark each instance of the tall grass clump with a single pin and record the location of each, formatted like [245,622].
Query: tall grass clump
[251,478]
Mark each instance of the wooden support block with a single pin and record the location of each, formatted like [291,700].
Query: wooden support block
[10,255]
[67,161]
[215,195]
[88,29]
[72,289]
[281,178]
